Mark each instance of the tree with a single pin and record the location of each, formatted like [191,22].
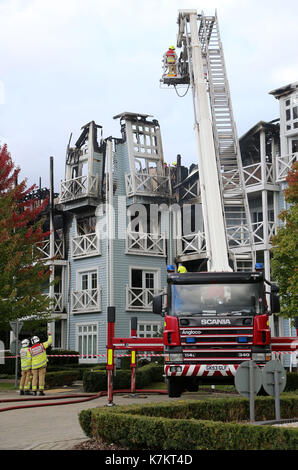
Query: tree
[23,275]
[285,249]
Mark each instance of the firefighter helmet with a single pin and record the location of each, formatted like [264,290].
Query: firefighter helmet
[25,343]
[182,269]
[35,339]
[170,267]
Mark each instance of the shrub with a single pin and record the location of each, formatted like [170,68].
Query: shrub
[61,378]
[193,425]
[62,361]
[96,380]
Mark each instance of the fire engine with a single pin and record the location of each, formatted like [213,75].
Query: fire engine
[213,322]
[217,319]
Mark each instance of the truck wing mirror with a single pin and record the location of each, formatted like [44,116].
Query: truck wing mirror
[157,304]
[274,303]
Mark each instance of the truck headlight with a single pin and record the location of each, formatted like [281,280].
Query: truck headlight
[261,356]
[178,357]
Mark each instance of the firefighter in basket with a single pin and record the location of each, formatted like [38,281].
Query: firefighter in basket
[170,62]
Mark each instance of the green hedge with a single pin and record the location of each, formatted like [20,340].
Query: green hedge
[193,425]
[61,361]
[61,378]
[292,382]
[96,380]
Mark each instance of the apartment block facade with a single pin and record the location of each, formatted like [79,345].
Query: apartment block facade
[122,215]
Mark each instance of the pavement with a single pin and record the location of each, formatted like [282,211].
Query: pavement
[57,427]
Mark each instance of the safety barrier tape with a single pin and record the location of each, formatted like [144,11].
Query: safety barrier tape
[127,355]
[87,355]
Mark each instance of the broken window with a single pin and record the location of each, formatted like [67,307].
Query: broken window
[86,225]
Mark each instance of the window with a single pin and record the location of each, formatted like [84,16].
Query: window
[294,145]
[88,280]
[142,288]
[87,296]
[86,225]
[87,340]
[291,113]
[148,330]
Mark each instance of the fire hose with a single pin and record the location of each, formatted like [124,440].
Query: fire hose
[83,398]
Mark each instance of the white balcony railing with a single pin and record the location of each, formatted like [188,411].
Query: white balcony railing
[145,243]
[85,245]
[57,301]
[45,248]
[258,232]
[284,165]
[138,298]
[253,174]
[149,185]
[79,187]
[194,243]
[88,300]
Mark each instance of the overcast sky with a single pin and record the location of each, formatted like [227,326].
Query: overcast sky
[67,62]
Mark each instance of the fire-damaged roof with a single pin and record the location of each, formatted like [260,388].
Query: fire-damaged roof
[284,90]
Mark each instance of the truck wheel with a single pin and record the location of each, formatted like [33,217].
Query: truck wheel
[175,387]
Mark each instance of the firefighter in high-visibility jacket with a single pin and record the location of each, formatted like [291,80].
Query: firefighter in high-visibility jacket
[39,363]
[26,361]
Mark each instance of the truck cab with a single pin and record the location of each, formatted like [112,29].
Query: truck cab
[213,322]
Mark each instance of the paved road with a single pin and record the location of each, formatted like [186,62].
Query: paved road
[55,427]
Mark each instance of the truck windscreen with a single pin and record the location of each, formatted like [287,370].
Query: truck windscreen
[216,299]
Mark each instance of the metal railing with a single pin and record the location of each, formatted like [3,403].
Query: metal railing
[85,245]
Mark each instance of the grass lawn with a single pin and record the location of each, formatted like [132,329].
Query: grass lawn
[7,386]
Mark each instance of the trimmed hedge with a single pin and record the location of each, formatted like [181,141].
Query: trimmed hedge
[193,425]
[62,361]
[96,380]
[61,378]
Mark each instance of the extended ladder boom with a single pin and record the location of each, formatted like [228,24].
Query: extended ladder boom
[215,233]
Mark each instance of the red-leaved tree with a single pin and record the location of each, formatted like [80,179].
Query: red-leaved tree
[23,274]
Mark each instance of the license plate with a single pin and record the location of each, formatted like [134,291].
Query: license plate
[217,367]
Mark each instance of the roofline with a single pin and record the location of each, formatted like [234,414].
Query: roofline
[284,90]
[261,125]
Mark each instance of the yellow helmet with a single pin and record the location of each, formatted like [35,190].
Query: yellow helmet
[182,269]
[172,47]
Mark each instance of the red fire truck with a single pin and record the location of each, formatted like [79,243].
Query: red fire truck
[213,322]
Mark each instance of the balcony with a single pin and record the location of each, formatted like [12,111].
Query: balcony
[84,246]
[44,248]
[253,175]
[139,298]
[194,243]
[88,300]
[284,165]
[77,188]
[148,244]
[258,232]
[143,184]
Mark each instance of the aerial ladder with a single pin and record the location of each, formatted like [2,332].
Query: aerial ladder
[227,225]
